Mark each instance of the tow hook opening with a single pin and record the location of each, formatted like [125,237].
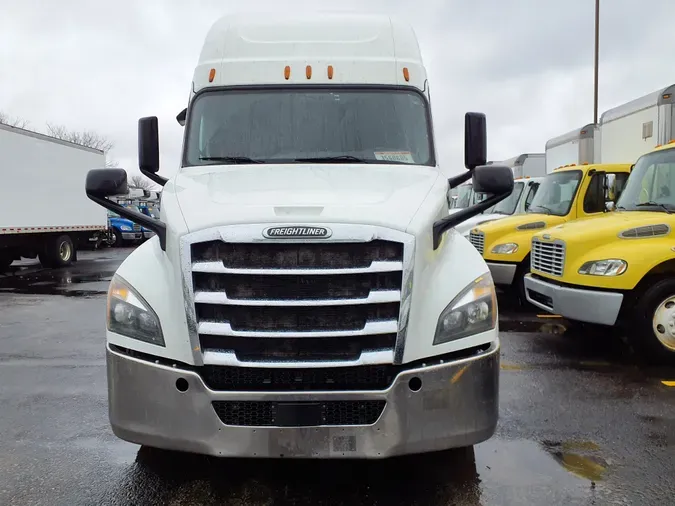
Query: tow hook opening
[182,385]
[415,384]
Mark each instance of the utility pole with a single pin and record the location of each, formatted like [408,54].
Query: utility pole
[597,53]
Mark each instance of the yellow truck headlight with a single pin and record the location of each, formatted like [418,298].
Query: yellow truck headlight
[505,249]
[473,311]
[130,315]
[609,267]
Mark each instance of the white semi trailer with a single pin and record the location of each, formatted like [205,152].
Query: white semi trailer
[577,147]
[527,165]
[306,294]
[43,212]
[636,127]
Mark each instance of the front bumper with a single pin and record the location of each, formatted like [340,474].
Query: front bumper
[132,236]
[581,304]
[502,274]
[147,234]
[456,406]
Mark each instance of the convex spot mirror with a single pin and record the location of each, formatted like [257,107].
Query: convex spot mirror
[493,179]
[106,182]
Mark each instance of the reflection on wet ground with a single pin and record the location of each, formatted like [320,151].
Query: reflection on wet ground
[88,277]
[582,421]
[495,472]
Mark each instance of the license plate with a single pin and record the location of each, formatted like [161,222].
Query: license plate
[292,414]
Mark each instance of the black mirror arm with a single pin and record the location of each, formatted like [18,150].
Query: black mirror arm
[157,226]
[455,181]
[154,177]
[444,224]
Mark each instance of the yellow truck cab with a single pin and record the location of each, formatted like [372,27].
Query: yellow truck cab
[568,193]
[619,268]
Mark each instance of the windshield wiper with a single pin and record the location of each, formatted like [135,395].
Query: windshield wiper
[333,159]
[655,204]
[230,159]
[548,211]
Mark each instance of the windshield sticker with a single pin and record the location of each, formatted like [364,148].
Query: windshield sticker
[395,156]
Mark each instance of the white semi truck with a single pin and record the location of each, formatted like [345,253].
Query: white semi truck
[306,294]
[43,212]
[637,127]
[579,146]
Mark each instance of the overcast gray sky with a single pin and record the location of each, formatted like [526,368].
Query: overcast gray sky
[528,64]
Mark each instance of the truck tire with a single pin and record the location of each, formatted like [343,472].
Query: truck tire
[116,238]
[653,329]
[58,252]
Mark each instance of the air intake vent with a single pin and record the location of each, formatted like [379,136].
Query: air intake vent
[532,226]
[645,231]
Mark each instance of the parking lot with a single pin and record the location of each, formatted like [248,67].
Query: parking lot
[582,421]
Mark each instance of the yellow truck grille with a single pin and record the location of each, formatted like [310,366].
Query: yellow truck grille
[548,257]
[478,241]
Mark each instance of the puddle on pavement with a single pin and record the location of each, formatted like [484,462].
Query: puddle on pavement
[580,458]
[57,282]
[534,325]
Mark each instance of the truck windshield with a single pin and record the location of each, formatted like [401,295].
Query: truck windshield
[463,197]
[651,185]
[556,193]
[296,125]
[508,205]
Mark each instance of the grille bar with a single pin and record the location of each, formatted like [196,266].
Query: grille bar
[367,357]
[225,329]
[375,297]
[478,241]
[548,257]
[219,268]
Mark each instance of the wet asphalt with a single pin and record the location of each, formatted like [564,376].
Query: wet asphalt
[582,421]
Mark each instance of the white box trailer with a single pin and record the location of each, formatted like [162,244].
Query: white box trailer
[526,165]
[636,127]
[43,210]
[579,146]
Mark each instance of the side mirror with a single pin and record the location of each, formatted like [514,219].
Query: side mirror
[493,180]
[106,182]
[148,144]
[475,140]
[181,117]
[609,205]
[148,149]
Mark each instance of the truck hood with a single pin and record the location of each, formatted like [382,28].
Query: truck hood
[384,195]
[598,230]
[465,227]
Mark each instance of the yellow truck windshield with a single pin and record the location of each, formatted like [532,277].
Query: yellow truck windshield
[556,193]
[651,186]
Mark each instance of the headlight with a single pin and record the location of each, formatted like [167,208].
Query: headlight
[126,228]
[609,267]
[505,249]
[130,315]
[473,311]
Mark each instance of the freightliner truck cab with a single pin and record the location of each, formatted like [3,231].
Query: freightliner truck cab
[306,294]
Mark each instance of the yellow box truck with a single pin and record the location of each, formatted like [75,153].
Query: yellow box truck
[620,268]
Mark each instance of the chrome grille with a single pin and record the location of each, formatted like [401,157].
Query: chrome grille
[300,303]
[548,257]
[137,227]
[478,241]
